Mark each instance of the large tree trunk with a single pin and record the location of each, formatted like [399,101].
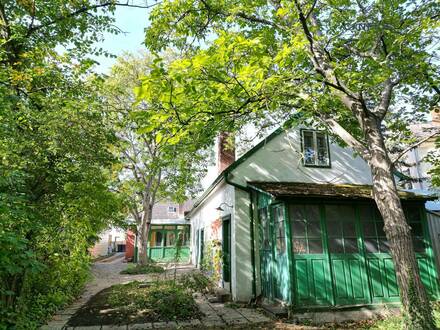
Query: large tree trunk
[144,233]
[416,307]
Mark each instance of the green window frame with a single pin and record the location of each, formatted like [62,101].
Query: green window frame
[305,220]
[373,233]
[341,228]
[315,148]
[414,220]
[280,229]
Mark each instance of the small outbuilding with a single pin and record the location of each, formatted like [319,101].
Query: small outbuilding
[294,222]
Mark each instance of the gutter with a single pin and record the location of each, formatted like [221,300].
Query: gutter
[251,215]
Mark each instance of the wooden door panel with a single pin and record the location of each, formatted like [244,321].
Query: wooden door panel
[313,283]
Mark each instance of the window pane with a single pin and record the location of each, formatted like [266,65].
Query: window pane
[369,229]
[298,229]
[171,239]
[299,245]
[308,148]
[152,239]
[349,229]
[366,213]
[322,151]
[336,245]
[312,212]
[332,213]
[313,229]
[379,228]
[351,245]
[159,238]
[315,246]
[334,229]
[384,245]
[371,245]
[169,227]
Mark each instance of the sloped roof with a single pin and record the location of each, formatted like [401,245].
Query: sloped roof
[301,189]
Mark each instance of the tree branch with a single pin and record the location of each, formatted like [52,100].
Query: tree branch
[415,145]
[82,10]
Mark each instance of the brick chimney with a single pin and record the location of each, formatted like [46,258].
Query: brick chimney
[225,151]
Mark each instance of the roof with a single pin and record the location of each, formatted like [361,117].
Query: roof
[240,160]
[301,189]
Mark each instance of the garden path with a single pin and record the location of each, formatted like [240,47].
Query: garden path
[106,273]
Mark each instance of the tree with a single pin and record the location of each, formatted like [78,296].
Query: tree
[55,159]
[155,165]
[357,68]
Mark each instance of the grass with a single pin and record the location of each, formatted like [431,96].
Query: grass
[132,303]
[142,269]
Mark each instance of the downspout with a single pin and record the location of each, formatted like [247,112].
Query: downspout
[246,189]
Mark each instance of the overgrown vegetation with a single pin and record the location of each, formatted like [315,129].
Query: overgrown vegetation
[136,302]
[197,282]
[142,269]
[55,156]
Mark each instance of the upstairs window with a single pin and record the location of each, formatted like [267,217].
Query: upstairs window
[315,148]
[172,209]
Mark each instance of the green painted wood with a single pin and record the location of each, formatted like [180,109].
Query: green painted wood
[281,274]
[265,251]
[226,248]
[357,270]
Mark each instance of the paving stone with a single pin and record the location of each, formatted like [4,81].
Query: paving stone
[91,327]
[236,321]
[52,326]
[140,326]
[160,325]
[189,323]
[61,317]
[114,327]
[212,323]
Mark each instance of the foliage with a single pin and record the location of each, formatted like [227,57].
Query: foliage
[155,165]
[164,300]
[197,282]
[56,163]
[143,269]
[362,70]
[212,260]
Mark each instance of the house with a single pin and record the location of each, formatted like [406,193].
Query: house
[109,241]
[167,225]
[417,168]
[293,221]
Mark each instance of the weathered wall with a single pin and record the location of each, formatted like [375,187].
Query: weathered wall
[280,160]
[207,217]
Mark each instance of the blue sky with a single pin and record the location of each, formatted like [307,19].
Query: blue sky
[133,21]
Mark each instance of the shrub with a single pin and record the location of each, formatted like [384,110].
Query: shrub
[143,269]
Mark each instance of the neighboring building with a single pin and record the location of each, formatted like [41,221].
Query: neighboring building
[167,225]
[293,220]
[111,240]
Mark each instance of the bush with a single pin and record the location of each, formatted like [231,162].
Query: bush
[143,269]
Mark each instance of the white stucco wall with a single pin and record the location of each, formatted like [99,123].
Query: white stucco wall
[280,160]
[206,215]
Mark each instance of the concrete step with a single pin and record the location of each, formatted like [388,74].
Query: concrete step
[276,310]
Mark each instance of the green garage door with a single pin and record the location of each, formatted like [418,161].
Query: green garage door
[347,262]
[341,255]
[311,267]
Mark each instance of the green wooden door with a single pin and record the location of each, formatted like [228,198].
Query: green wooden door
[347,262]
[281,274]
[265,238]
[311,270]
[226,248]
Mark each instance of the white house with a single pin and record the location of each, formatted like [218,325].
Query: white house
[294,221]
